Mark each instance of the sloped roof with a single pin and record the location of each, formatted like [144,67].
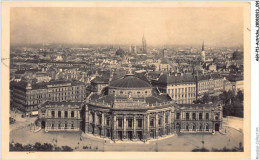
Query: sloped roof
[172,79]
[130,81]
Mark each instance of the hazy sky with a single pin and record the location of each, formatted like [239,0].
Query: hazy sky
[161,26]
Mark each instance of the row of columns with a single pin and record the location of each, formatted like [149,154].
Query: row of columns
[145,129]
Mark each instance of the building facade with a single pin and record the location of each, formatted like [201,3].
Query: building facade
[27,96]
[198,118]
[61,116]
[213,84]
[134,110]
[180,87]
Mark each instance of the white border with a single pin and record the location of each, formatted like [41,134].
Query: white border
[254,85]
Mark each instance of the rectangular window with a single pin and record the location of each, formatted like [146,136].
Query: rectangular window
[193,116]
[100,119]
[152,122]
[166,118]
[207,116]
[107,121]
[120,123]
[59,114]
[53,114]
[139,121]
[187,116]
[130,123]
[178,116]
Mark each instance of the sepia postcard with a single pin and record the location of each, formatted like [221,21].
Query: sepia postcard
[125,80]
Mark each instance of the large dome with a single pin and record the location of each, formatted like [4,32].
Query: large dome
[130,81]
[120,52]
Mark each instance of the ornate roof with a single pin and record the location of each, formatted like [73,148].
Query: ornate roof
[130,81]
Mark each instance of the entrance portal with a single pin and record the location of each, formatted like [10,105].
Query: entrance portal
[120,135]
[43,124]
[152,135]
[216,127]
[178,127]
[140,135]
[130,135]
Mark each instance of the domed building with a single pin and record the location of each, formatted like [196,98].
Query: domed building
[120,52]
[132,110]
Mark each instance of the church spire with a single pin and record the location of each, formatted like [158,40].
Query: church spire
[144,44]
[202,49]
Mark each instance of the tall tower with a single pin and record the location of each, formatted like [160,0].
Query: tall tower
[144,44]
[202,54]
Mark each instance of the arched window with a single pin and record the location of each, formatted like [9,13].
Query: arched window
[200,116]
[72,125]
[53,114]
[201,127]
[59,114]
[194,126]
[66,114]
[52,125]
[178,116]
[207,116]
[66,125]
[207,126]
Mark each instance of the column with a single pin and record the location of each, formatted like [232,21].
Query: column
[46,126]
[78,115]
[163,123]
[69,113]
[134,134]
[113,132]
[148,126]
[124,127]
[62,114]
[103,125]
[156,125]
[170,122]
[144,126]
[86,120]
[95,122]
[56,113]
[49,114]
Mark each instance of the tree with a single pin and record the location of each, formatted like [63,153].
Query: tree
[230,95]
[215,99]
[205,98]
[66,148]
[240,96]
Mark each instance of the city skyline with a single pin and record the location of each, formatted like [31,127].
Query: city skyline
[160,26]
